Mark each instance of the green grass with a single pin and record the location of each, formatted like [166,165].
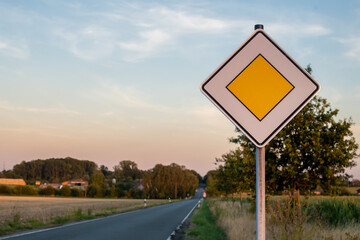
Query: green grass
[333,211]
[16,225]
[352,190]
[204,226]
[336,211]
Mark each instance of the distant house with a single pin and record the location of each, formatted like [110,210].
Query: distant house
[139,186]
[14,182]
[76,183]
[54,185]
[318,191]
[358,192]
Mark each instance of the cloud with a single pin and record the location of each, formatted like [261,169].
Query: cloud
[126,96]
[353,43]
[159,27]
[184,21]
[136,32]
[298,30]
[89,43]
[60,110]
[204,114]
[334,94]
[149,42]
[20,51]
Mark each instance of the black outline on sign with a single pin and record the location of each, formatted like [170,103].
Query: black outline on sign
[289,117]
[244,103]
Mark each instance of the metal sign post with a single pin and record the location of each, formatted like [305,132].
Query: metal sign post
[260,193]
[260,186]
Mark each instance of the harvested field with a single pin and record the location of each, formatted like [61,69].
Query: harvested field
[45,209]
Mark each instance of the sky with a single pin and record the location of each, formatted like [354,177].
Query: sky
[108,81]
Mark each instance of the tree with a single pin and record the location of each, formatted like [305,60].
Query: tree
[94,190]
[97,178]
[355,183]
[211,183]
[127,170]
[170,181]
[313,149]
[106,171]
[236,173]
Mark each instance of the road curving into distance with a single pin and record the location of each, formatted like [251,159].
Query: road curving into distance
[154,223]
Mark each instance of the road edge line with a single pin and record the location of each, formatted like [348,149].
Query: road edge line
[182,222]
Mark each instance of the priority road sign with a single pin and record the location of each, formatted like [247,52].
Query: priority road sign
[260,88]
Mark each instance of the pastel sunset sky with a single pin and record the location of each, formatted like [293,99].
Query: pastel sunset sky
[112,80]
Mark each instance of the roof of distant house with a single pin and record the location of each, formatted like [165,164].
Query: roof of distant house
[79,180]
[10,181]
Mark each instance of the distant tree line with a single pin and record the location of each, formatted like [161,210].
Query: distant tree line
[53,170]
[125,180]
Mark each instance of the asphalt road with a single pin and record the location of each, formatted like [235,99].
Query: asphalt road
[155,223]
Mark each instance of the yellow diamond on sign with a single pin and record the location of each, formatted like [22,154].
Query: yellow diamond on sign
[260,87]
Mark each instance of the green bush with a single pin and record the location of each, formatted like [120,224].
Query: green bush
[48,191]
[76,192]
[65,191]
[5,190]
[25,190]
[138,194]
[57,192]
[29,191]
[17,190]
[106,192]
[94,190]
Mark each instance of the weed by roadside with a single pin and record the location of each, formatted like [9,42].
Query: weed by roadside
[204,226]
[287,217]
[235,218]
[17,224]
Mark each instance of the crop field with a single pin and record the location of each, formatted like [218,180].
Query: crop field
[352,190]
[328,218]
[29,212]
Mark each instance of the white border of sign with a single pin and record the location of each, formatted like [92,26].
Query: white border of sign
[260,132]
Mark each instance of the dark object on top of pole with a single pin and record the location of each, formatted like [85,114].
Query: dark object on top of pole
[259,26]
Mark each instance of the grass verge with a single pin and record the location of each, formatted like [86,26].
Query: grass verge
[204,226]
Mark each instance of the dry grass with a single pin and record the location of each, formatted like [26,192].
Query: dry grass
[47,208]
[239,223]
[234,218]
